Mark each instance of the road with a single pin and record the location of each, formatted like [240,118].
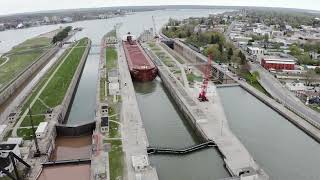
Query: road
[278,91]
[282,94]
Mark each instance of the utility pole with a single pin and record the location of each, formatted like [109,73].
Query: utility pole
[37,153]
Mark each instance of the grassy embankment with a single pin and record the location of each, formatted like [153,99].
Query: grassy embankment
[53,94]
[21,56]
[116,158]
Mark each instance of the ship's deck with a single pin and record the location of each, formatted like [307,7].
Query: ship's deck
[136,57]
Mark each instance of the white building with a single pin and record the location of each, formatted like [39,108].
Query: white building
[20,26]
[113,76]
[42,130]
[255,51]
[67,19]
[296,86]
[114,88]
[140,162]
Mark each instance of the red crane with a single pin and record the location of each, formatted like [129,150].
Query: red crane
[207,74]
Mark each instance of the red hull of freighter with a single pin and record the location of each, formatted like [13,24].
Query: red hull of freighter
[140,65]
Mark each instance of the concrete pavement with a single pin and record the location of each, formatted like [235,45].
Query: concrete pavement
[134,136]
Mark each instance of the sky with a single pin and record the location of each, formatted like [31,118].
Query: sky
[19,6]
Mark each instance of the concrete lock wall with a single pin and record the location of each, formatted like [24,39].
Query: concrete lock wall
[21,78]
[179,100]
[65,105]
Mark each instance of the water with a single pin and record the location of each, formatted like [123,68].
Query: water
[166,127]
[283,150]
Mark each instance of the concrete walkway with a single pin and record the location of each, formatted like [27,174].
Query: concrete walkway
[134,137]
[14,132]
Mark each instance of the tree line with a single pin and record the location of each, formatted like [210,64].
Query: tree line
[61,35]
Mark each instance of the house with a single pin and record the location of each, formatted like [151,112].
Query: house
[42,130]
[140,162]
[104,124]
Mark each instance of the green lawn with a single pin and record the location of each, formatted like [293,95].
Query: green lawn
[21,57]
[102,89]
[54,92]
[253,82]
[25,133]
[111,58]
[116,160]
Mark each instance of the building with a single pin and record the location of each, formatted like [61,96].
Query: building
[140,163]
[296,86]
[113,76]
[67,19]
[104,124]
[278,63]
[42,130]
[114,88]
[255,51]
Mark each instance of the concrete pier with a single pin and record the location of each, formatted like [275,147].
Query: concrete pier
[134,136]
[209,121]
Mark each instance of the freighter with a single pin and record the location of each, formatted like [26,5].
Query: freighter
[140,65]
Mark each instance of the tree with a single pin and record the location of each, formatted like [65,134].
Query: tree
[310,76]
[266,40]
[230,53]
[220,48]
[295,50]
[317,70]
[242,58]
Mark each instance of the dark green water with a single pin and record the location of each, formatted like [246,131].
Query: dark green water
[283,150]
[166,127]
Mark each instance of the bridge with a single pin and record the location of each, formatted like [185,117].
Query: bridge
[187,150]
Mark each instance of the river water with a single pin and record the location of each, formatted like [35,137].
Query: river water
[283,150]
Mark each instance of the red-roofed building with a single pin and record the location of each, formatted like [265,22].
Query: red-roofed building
[278,63]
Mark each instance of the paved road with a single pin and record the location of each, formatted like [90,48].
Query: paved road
[278,91]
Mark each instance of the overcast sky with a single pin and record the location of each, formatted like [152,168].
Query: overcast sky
[18,6]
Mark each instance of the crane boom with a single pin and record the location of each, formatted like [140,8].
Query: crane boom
[203,93]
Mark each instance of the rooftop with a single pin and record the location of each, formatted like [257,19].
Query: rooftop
[7,147]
